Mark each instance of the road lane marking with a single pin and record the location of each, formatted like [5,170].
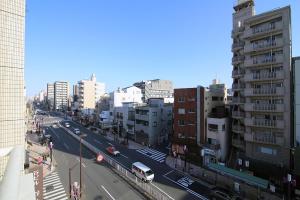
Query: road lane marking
[187,189]
[82,163]
[168,172]
[107,192]
[123,155]
[97,141]
[54,133]
[162,191]
[66,146]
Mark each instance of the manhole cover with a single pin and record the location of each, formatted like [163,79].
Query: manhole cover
[49,188]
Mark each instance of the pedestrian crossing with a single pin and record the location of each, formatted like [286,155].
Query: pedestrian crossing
[153,154]
[53,188]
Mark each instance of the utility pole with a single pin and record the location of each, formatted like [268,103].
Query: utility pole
[80,168]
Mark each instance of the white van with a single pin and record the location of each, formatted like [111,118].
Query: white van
[142,171]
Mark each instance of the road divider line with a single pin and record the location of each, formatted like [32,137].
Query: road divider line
[54,133]
[123,155]
[168,172]
[107,192]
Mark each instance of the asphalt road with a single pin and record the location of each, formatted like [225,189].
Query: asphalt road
[163,179]
[99,181]
[174,184]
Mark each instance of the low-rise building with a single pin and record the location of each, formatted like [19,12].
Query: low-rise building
[153,122]
[217,146]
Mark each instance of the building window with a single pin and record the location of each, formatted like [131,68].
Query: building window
[181,122]
[269,151]
[181,135]
[214,98]
[191,110]
[223,127]
[154,113]
[154,124]
[191,99]
[181,111]
[213,127]
[181,99]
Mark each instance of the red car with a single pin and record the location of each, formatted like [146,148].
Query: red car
[112,150]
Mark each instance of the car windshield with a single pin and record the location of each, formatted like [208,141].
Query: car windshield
[149,172]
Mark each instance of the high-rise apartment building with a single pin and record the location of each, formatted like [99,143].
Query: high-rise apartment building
[50,95]
[75,93]
[261,86]
[156,89]
[61,95]
[12,98]
[296,100]
[90,92]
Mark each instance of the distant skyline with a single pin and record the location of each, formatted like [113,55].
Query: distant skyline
[122,42]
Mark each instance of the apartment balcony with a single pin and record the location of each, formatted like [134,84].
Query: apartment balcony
[263,61]
[237,59]
[237,46]
[238,143]
[262,46]
[264,123]
[130,123]
[264,76]
[263,30]
[238,100]
[263,138]
[270,91]
[238,86]
[238,114]
[238,129]
[237,31]
[265,107]
[238,73]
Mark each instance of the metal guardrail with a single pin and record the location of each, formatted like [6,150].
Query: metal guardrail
[149,188]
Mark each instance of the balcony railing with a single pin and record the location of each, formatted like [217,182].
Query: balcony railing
[269,123]
[262,29]
[238,114]
[237,31]
[238,59]
[264,91]
[265,138]
[263,45]
[236,73]
[238,143]
[264,76]
[238,86]
[263,60]
[264,107]
[238,100]
[238,128]
[237,45]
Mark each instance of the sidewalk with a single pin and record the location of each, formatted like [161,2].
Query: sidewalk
[37,151]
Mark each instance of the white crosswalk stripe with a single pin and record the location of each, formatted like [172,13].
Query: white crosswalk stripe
[53,188]
[153,154]
[185,181]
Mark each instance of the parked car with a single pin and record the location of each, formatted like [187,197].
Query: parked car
[223,194]
[67,125]
[76,131]
[112,150]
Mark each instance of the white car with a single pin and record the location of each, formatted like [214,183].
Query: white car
[67,125]
[76,131]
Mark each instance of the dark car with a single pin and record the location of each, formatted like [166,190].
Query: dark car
[223,194]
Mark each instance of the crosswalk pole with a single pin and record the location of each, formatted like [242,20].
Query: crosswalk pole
[70,187]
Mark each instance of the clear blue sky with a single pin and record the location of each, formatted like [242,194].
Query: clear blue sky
[124,41]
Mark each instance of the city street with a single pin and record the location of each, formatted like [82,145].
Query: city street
[170,182]
[99,181]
